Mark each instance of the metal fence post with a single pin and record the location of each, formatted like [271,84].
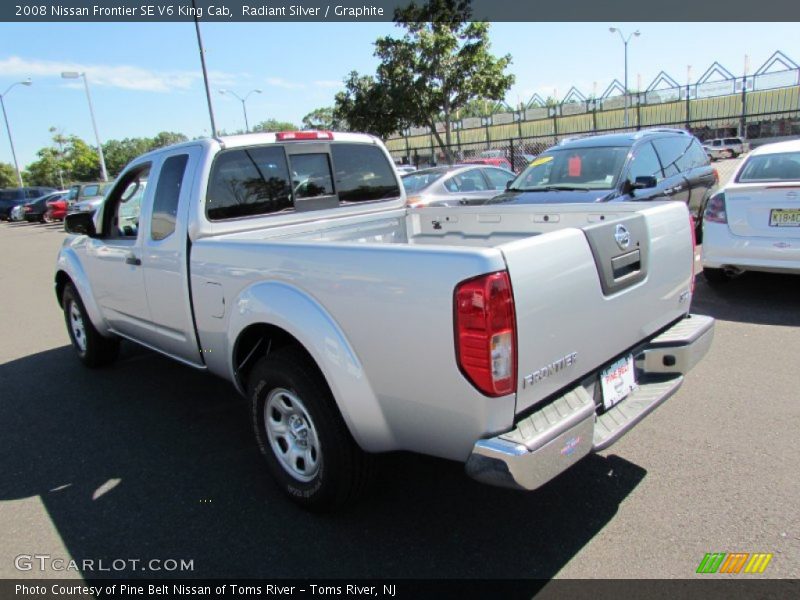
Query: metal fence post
[743,120]
[511,152]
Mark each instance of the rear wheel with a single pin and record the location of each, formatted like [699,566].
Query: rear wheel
[92,349]
[308,449]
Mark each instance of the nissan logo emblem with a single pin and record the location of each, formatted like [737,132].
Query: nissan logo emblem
[623,237]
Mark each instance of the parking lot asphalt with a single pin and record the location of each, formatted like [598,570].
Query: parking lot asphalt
[149,459]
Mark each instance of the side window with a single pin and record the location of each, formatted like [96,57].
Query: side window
[645,164]
[695,157]
[469,181]
[498,178]
[250,181]
[363,173]
[124,204]
[670,151]
[165,201]
[91,190]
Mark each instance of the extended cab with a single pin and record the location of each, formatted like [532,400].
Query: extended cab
[515,339]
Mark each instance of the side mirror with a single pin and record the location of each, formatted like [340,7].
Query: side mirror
[81,223]
[643,182]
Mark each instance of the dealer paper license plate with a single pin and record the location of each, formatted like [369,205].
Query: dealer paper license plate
[618,381]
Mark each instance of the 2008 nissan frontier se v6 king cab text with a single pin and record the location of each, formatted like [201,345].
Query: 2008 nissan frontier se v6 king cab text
[516,339]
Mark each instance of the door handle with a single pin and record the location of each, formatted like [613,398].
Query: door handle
[132,259]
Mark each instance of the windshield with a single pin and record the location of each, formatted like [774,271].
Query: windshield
[784,166]
[573,169]
[413,182]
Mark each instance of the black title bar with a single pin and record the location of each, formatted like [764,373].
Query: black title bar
[383,10]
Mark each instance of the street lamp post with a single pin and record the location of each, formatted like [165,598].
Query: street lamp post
[8,127]
[76,75]
[625,41]
[242,100]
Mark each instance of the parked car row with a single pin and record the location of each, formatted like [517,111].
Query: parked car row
[655,164]
[13,197]
[46,205]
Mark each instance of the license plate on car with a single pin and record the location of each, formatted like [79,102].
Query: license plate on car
[617,381]
[784,217]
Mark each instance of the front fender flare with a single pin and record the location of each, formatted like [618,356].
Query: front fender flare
[69,263]
[289,308]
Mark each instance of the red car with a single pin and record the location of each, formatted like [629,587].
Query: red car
[56,210]
[503,163]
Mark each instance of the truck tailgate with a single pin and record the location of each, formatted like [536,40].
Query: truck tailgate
[585,296]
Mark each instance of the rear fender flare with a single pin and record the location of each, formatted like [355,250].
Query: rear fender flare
[287,307]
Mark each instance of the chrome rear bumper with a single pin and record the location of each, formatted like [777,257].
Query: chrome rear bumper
[550,440]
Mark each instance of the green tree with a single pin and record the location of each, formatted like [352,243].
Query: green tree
[71,156]
[8,175]
[441,63]
[320,118]
[168,138]
[271,125]
[118,153]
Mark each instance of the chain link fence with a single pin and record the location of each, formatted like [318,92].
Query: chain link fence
[515,153]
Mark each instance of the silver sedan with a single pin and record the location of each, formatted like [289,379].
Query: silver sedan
[456,185]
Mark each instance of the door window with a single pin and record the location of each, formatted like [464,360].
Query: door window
[498,178]
[468,181]
[671,151]
[645,164]
[124,204]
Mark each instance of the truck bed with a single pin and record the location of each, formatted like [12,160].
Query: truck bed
[398,270]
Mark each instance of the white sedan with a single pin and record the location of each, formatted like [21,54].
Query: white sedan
[753,223]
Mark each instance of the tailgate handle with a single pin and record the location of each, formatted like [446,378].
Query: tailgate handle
[626,264]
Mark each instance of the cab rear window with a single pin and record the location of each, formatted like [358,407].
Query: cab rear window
[260,181]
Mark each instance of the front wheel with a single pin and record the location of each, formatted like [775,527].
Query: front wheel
[306,444]
[92,349]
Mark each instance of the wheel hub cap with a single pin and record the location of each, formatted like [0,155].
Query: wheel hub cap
[292,434]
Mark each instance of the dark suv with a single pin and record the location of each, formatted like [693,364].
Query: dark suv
[10,197]
[654,164]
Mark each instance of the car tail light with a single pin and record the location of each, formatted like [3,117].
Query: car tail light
[716,177]
[485,333]
[715,209]
[27,208]
[289,136]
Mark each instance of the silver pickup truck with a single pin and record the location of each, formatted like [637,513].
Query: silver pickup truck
[515,339]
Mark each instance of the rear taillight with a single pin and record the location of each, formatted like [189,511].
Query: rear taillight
[716,177]
[715,209]
[485,333]
[288,136]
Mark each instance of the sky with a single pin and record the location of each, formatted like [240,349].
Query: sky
[146,78]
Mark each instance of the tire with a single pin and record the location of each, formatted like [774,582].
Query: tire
[92,349]
[46,218]
[308,449]
[716,277]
